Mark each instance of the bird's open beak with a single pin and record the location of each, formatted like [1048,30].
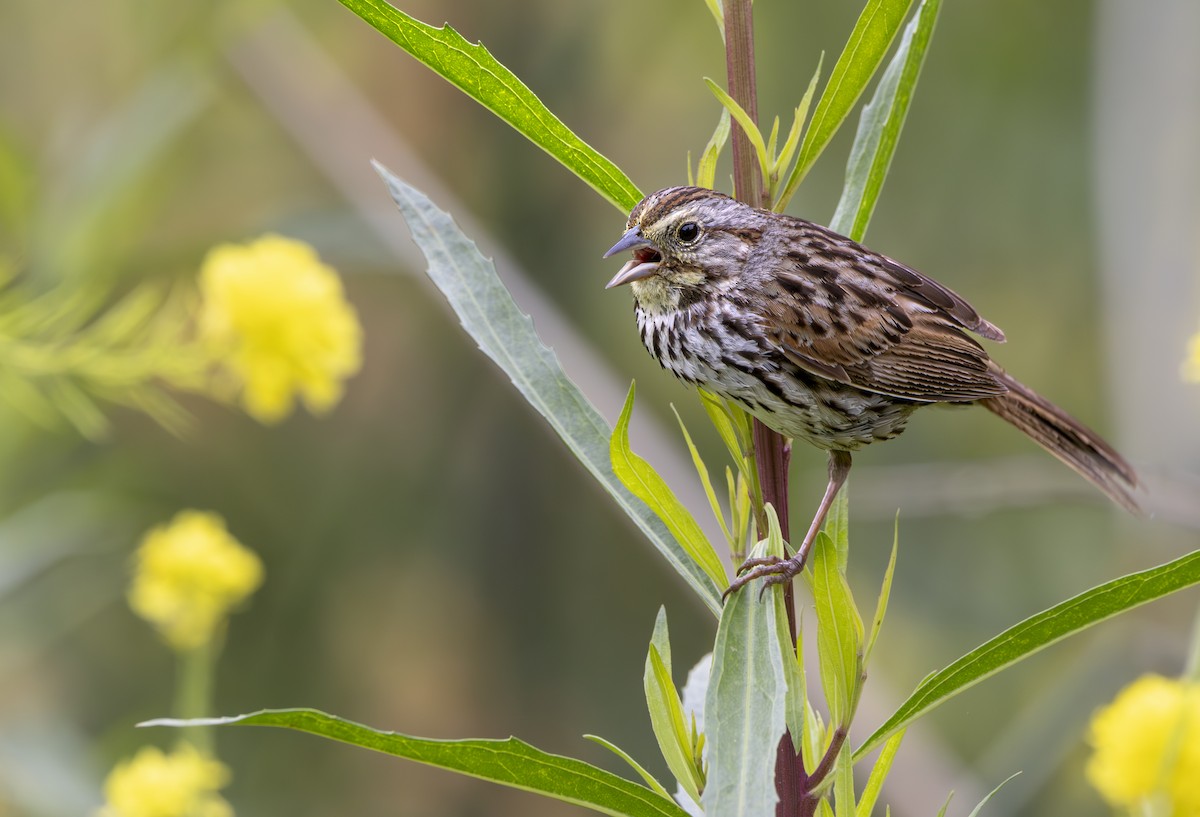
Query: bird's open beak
[644,263]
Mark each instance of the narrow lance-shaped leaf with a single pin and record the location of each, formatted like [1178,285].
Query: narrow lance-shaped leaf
[748,126]
[843,783]
[666,710]
[705,479]
[633,764]
[879,773]
[509,762]
[506,335]
[873,33]
[706,171]
[884,593]
[978,808]
[839,631]
[744,713]
[793,139]
[645,483]
[880,125]
[479,75]
[1036,633]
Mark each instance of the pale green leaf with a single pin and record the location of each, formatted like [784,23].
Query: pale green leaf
[880,125]
[837,526]
[646,484]
[706,171]
[633,764]
[839,632]
[791,655]
[705,480]
[479,75]
[772,141]
[509,762]
[747,124]
[879,773]
[843,783]
[789,146]
[975,811]
[884,594]
[1038,632]
[666,710]
[721,413]
[877,26]
[506,335]
[744,712]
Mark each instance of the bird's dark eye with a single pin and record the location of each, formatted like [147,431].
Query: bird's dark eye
[688,232]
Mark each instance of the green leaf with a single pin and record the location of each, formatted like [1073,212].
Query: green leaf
[869,41]
[705,480]
[791,655]
[837,525]
[666,711]
[839,632]
[506,335]
[480,76]
[509,762]
[721,413]
[744,712]
[880,125]
[706,171]
[1038,632]
[645,483]
[879,773]
[747,124]
[843,783]
[789,146]
[633,764]
[884,593]
[975,811]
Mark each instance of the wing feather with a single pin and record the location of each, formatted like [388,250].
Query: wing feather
[843,312]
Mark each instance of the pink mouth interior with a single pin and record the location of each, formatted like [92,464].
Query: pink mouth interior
[646,254]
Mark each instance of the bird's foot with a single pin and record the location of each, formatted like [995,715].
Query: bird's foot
[772,569]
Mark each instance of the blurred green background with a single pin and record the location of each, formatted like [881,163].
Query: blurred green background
[437,563]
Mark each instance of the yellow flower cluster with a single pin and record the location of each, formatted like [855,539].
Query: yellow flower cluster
[277,321]
[1147,748]
[188,575]
[153,784]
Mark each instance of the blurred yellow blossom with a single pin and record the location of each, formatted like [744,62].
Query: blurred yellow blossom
[188,575]
[276,319]
[153,784]
[1147,747]
[1191,364]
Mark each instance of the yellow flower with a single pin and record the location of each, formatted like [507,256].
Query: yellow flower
[152,784]
[277,321]
[188,575]
[1191,364]
[1147,747]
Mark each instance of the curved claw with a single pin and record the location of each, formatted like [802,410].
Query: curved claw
[771,568]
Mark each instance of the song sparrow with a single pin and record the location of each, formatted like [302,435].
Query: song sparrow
[822,339]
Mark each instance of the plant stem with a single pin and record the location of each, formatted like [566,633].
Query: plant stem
[770,449]
[739,65]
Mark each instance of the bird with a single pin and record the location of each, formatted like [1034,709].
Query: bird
[823,340]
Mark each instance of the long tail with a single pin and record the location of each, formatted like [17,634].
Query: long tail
[1068,439]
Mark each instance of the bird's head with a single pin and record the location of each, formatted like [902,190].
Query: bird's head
[683,237]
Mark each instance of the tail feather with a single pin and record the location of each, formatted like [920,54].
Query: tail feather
[1066,438]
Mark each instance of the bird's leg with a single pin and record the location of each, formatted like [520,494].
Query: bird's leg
[778,571]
